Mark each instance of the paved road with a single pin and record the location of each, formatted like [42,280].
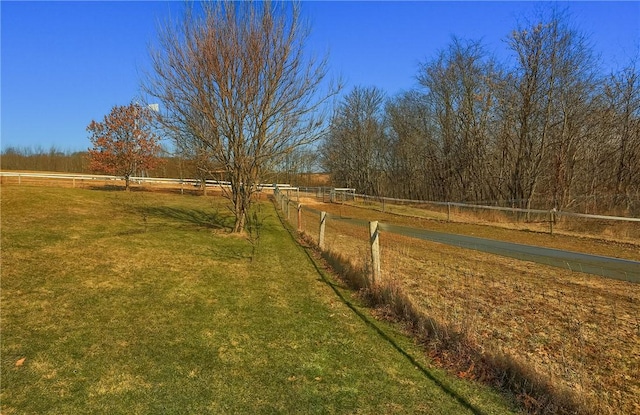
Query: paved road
[621,269]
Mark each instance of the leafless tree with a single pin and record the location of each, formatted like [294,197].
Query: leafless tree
[460,84]
[414,166]
[620,125]
[235,77]
[551,85]
[354,151]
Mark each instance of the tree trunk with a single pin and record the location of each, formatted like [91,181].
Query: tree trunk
[240,214]
[203,187]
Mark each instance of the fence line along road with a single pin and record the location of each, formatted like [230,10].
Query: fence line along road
[616,268]
[557,213]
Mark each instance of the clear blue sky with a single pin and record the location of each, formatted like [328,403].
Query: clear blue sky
[66,63]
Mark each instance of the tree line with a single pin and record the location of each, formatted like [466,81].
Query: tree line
[547,131]
[300,168]
[65,161]
[39,159]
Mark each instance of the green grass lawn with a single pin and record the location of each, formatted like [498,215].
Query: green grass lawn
[142,303]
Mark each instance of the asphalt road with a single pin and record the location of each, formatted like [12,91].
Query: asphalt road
[621,269]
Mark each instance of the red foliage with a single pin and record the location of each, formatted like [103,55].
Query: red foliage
[123,143]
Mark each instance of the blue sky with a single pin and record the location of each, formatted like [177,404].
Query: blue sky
[66,63]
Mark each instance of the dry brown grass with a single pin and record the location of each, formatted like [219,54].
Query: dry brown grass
[562,341]
[582,333]
[618,231]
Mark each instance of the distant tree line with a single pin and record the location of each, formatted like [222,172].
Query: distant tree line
[548,131]
[39,159]
[56,160]
[299,168]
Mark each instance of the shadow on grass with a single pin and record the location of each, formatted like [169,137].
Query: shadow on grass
[198,217]
[143,189]
[336,288]
[107,187]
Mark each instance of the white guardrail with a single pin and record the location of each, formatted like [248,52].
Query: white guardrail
[135,179]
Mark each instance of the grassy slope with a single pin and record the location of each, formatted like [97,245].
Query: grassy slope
[141,303]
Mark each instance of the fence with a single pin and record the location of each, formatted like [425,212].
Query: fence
[559,324]
[626,270]
[82,180]
[538,220]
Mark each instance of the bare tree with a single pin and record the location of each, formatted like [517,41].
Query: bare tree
[551,85]
[414,165]
[235,77]
[621,125]
[355,150]
[460,84]
[197,157]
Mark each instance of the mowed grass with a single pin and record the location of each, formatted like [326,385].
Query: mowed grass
[142,303]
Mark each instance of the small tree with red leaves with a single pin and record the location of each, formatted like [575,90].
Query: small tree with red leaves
[123,143]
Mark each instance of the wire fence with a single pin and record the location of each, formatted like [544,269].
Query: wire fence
[537,220]
[572,330]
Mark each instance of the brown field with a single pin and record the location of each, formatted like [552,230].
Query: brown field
[569,340]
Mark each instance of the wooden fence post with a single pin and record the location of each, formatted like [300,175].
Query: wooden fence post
[323,222]
[552,219]
[300,217]
[375,250]
[448,212]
